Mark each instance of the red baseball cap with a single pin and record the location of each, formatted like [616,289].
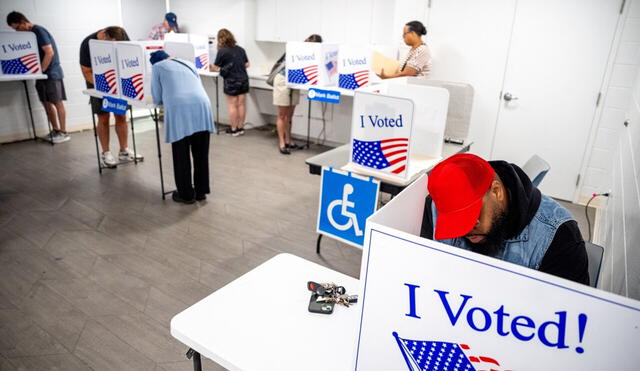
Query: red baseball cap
[457,186]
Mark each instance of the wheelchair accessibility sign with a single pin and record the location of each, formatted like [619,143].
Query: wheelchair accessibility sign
[346,201]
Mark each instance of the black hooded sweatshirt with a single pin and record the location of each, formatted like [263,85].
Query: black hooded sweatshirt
[566,256]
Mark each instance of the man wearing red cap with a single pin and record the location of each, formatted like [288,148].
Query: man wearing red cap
[493,209]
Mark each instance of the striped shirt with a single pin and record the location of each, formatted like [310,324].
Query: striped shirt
[419,59]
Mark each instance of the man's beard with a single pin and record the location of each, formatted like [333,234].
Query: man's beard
[494,240]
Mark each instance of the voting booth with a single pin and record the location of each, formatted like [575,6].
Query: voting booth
[397,131]
[104,64]
[134,69]
[312,64]
[354,66]
[19,53]
[195,50]
[430,306]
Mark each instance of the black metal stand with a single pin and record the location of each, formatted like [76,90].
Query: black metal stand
[197,362]
[33,125]
[156,120]
[216,121]
[318,244]
[133,137]
[309,125]
[95,135]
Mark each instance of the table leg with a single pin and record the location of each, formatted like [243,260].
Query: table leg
[217,120]
[155,120]
[309,125]
[95,135]
[133,137]
[197,362]
[26,92]
[318,244]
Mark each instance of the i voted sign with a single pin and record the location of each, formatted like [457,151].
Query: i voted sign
[430,306]
[346,201]
[115,105]
[381,132]
[132,71]
[328,96]
[104,66]
[19,53]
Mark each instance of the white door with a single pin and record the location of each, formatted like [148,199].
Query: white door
[469,41]
[556,63]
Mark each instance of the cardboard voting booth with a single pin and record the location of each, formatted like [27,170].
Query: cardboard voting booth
[104,64]
[176,37]
[354,66]
[19,53]
[398,132]
[194,50]
[430,306]
[134,70]
[312,64]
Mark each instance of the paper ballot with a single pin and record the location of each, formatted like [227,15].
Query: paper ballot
[381,61]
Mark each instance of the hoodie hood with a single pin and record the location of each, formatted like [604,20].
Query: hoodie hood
[524,197]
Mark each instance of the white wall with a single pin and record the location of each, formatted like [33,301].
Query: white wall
[69,24]
[617,224]
[616,98]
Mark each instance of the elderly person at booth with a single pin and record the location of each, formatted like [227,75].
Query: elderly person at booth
[492,208]
[187,121]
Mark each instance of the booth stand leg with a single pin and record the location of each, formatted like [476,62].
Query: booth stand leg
[95,136]
[309,126]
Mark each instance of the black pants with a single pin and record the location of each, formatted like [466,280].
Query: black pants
[198,145]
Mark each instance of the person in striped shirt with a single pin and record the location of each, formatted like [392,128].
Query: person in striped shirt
[418,61]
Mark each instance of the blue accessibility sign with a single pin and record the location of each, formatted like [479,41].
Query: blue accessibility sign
[329,96]
[346,201]
[115,105]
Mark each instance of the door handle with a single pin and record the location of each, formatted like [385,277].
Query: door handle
[508,97]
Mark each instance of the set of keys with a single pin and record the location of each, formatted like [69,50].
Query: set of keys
[330,293]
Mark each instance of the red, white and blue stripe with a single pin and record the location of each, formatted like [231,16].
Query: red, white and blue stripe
[132,87]
[305,75]
[353,80]
[27,64]
[106,82]
[202,61]
[388,154]
[442,356]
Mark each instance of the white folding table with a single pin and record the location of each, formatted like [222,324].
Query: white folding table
[215,76]
[260,321]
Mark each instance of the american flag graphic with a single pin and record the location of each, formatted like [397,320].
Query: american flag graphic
[304,75]
[106,82]
[202,61]
[353,80]
[382,154]
[442,356]
[132,87]
[332,67]
[19,66]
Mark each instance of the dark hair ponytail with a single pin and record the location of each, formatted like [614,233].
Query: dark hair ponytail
[417,27]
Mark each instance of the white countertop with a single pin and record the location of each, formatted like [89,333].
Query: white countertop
[97,94]
[39,76]
[260,321]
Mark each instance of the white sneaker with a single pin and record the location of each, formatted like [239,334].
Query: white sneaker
[108,160]
[60,137]
[127,155]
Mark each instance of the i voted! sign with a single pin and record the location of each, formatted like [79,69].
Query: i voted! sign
[381,132]
[19,53]
[430,306]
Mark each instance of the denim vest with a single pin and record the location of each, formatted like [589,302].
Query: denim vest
[528,247]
